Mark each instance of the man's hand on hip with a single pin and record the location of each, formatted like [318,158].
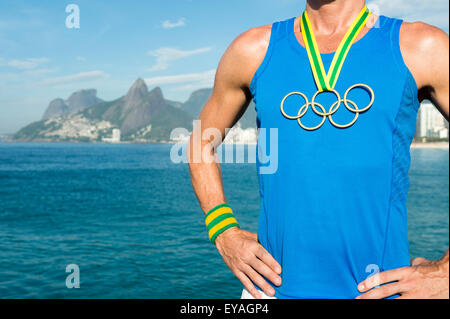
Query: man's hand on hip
[423,280]
[249,261]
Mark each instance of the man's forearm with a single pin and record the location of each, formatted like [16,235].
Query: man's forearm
[206,176]
[246,258]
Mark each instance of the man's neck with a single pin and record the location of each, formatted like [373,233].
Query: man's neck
[330,16]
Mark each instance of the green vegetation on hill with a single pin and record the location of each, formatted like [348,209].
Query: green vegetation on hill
[30,132]
[97,111]
[34,131]
[165,122]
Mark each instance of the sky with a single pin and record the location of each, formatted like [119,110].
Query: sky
[174,44]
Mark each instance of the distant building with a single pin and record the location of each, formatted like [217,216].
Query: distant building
[431,123]
[115,137]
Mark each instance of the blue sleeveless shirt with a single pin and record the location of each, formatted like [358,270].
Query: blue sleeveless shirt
[334,211]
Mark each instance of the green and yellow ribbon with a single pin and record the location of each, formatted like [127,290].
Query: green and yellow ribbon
[326,82]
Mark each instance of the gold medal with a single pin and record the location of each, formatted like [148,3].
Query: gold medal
[326,82]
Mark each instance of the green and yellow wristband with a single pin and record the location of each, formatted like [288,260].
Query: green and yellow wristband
[218,220]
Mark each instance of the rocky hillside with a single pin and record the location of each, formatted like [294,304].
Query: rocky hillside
[141,115]
[77,102]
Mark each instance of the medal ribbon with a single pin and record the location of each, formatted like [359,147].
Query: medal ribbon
[326,82]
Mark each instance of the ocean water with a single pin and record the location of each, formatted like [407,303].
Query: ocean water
[127,216]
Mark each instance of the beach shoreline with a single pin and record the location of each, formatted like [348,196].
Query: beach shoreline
[428,145]
[435,145]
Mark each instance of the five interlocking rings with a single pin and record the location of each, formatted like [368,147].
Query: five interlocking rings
[333,109]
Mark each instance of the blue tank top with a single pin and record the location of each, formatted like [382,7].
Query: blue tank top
[334,212]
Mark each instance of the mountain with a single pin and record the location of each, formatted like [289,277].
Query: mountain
[141,115]
[77,102]
[56,108]
[174,103]
[198,99]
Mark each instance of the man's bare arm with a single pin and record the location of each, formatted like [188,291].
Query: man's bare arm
[425,51]
[240,249]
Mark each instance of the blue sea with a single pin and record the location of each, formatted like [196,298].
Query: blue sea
[127,216]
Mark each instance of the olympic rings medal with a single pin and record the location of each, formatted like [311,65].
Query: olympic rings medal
[372,98]
[315,127]
[349,124]
[331,111]
[300,113]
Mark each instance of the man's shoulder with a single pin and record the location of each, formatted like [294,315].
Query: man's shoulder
[425,49]
[244,55]
[421,38]
[254,41]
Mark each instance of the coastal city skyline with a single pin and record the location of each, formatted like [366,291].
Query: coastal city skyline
[431,124]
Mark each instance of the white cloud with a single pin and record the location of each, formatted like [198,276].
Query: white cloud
[179,87]
[170,25]
[73,78]
[23,77]
[434,12]
[205,79]
[80,58]
[26,64]
[166,55]
[38,72]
